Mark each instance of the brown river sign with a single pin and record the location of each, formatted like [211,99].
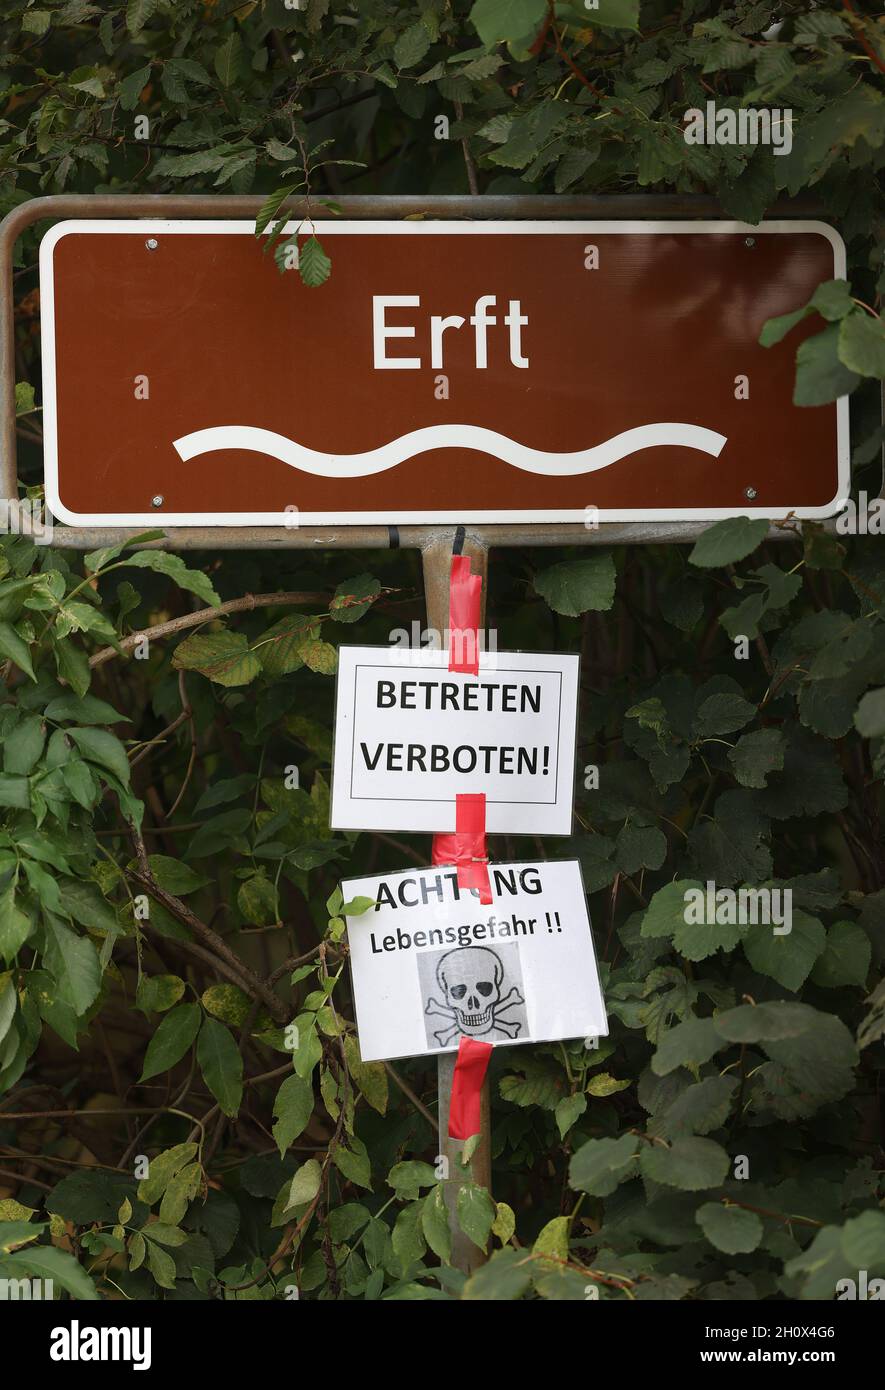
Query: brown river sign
[446,372]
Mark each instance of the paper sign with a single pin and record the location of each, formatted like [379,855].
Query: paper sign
[410,735]
[430,965]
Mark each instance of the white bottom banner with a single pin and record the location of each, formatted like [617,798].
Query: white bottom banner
[430,964]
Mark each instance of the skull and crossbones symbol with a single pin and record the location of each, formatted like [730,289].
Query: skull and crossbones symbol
[470,978]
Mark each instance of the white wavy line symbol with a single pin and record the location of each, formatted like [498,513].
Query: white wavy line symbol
[485,441]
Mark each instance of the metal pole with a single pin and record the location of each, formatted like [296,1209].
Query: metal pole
[437,558]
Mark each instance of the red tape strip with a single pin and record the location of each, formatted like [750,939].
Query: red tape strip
[470,1072]
[465,590]
[466,848]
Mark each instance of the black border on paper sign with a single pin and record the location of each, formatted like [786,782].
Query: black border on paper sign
[370,666]
[504,864]
[404,827]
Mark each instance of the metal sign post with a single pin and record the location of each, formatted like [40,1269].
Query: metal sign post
[436,557]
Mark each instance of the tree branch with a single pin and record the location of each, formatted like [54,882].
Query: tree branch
[206,615]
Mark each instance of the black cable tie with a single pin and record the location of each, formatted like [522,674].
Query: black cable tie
[458,542]
[393,537]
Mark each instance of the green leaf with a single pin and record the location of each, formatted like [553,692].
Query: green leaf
[814,1050]
[74,961]
[574,587]
[869,718]
[840,1252]
[14,792]
[174,1035]
[15,925]
[728,541]
[131,87]
[164,562]
[845,960]
[731,846]
[103,748]
[569,1109]
[407,1178]
[504,1224]
[412,45]
[346,1220]
[163,1169]
[498,20]
[292,1109]
[609,14]
[689,1044]
[161,1265]
[23,746]
[505,1277]
[701,1108]
[15,649]
[85,709]
[89,1196]
[604,1084]
[731,1229]
[786,958]
[640,847]
[319,656]
[8,1003]
[764,1023]
[665,914]
[227,1002]
[314,265]
[600,1165]
[354,597]
[157,993]
[775,329]
[230,60]
[690,1164]
[15,1233]
[757,754]
[353,1162]
[47,1263]
[305,1184]
[407,1237]
[832,300]
[175,876]
[821,376]
[138,12]
[36,22]
[224,657]
[435,1224]
[552,1240]
[257,900]
[73,666]
[476,1213]
[221,1063]
[279,648]
[862,344]
[370,1078]
[723,713]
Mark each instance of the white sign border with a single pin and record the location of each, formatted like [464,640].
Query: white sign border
[324,228]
